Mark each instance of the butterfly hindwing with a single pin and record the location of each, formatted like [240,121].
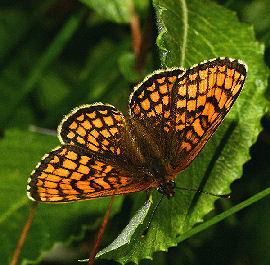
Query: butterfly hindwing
[69,173]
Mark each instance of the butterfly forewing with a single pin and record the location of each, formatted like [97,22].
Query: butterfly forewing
[96,127]
[204,95]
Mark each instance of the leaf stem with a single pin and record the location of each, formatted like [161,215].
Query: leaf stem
[135,30]
[142,39]
[23,236]
[185,30]
[222,216]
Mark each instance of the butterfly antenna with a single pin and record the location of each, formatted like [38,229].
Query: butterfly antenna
[227,196]
[100,233]
[151,218]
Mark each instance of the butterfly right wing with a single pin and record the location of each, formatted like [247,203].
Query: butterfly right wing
[70,173]
[204,95]
[178,111]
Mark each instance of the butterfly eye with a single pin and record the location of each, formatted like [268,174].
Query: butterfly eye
[171,184]
[167,189]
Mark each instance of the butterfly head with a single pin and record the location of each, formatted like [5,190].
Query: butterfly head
[167,189]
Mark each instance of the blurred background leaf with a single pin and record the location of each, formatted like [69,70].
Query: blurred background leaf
[116,10]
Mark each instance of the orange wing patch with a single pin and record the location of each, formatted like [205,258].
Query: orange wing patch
[150,108]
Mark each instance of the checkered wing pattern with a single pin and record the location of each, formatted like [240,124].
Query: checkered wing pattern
[205,94]
[70,173]
[151,110]
[195,103]
[96,127]
[94,161]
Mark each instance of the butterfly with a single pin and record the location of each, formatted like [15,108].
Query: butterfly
[172,115]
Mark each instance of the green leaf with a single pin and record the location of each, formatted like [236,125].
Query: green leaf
[10,18]
[257,13]
[126,64]
[118,11]
[125,235]
[191,32]
[101,62]
[222,216]
[52,222]
[114,10]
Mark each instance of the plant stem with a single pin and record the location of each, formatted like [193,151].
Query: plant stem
[23,236]
[100,233]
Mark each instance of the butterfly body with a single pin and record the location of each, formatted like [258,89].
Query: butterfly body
[172,115]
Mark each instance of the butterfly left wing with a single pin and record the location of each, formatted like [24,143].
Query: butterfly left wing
[97,158]
[96,127]
[70,173]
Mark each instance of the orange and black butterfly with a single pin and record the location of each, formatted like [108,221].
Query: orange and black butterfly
[172,115]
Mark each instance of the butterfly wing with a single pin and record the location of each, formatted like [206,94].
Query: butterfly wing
[68,173]
[175,113]
[194,105]
[151,112]
[205,94]
[94,160]
[97,127]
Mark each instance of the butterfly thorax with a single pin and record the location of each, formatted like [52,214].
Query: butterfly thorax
[148,160]
[156,173]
